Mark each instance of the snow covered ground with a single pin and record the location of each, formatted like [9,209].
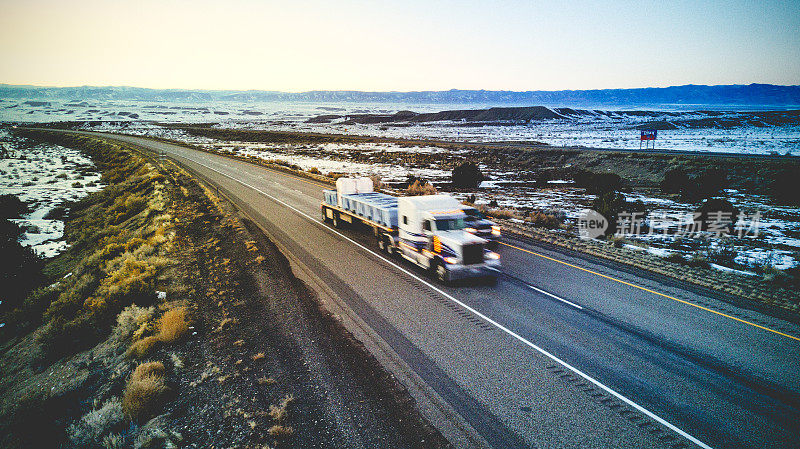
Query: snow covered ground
[44,177]
[325,157]
[601,129]
[598,132]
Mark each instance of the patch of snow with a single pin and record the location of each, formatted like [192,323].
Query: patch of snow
[732,270]
[45,176]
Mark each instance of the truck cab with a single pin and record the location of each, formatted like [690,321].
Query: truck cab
[431,234]
[476,223]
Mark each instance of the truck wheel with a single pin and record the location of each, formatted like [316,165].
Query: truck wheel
[381,243]
[336,223]
[389,248]
[324,217]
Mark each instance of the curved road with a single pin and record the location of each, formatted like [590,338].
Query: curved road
[565,351]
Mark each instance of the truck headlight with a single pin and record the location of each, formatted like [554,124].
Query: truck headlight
[450,260]
[471,230]
[496,230]
[492,255]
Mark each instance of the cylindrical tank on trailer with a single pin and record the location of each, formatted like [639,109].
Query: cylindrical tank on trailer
[345,186]
[363,185]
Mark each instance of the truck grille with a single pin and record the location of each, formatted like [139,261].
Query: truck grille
[473,254]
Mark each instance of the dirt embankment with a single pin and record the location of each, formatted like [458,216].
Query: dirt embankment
[496,115]
[514,114]
[238,353]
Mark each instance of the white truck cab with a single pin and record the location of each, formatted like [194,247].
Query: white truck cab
[431,234]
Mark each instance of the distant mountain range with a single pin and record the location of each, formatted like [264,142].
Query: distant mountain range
[752,95]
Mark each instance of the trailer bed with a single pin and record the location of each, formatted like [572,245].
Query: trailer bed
[377,208]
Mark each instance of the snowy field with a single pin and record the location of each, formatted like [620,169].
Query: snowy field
[599,129]
[44,177]
[601,132]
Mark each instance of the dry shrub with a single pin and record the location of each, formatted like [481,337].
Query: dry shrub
[377,184]
[675,258]
[148,369]
[90,429]
[501,213]
[141,348]
[545,220]
[617,240]
[225,323]
[176,361]
[131,319]
[173,324]
[144,391]
[113,441]
[417,189]
[278,412]
[279,431]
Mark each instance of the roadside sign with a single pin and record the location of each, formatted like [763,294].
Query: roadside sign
[649,134]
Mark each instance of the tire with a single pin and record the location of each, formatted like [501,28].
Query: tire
[335,220]
[382,244]
[324,216]
[389,246]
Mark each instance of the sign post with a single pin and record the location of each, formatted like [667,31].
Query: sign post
[648,135]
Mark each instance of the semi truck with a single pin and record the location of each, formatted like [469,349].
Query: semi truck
[427,230]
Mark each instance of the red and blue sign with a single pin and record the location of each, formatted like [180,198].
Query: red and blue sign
[649,134]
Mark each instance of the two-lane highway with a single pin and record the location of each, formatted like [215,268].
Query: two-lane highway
[564,351]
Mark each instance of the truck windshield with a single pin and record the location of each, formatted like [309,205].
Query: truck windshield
[449,224]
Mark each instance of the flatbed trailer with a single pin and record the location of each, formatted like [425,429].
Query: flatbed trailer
[340,217]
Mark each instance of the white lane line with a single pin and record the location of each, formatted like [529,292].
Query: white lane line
[494,323]
[554,296]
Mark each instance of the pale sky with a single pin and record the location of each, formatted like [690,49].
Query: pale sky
[400,45]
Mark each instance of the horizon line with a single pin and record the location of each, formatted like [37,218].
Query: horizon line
[383,91]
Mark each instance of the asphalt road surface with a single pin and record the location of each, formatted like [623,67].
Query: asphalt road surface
[565,351]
